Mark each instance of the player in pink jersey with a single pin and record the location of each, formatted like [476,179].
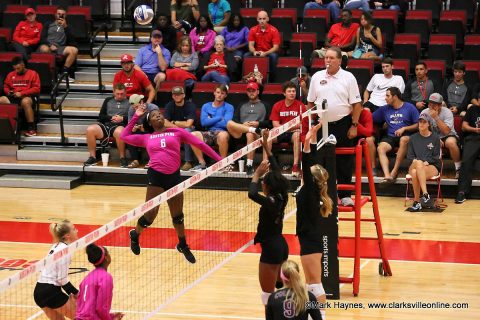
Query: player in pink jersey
[96,290]
[163,147]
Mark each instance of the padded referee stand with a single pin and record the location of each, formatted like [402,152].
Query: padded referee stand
[361,149]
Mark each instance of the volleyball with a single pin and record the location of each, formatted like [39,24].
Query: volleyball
[143,14]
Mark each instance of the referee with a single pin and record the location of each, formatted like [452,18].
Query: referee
[340,89]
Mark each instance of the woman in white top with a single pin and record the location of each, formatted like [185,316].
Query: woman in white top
[48,293]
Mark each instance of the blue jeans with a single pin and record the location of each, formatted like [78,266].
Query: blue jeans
[332,7]
[357,4]
[188,148]
[214,76]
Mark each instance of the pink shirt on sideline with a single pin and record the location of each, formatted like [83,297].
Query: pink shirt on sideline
[95,296]
[164,147]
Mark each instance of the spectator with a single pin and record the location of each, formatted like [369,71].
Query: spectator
[169,33]
[391,4]
[111,121]
[26,36]
[203,36]
[180,113]
[57,38]
[21,86]
[220,66]
[456,93]
[135,81]
[153,59]
[284,111]
[401,118]
[184,63]
[250,118]
[214,117]
[236,36]
[369,40]
[264,40]
[302,83]
[374,95]
[441,123]
[341,34]
[471,151]
[219,12]
[419,89]
[137,100]
[363,5]
[424,153]
[331,5]
[184,14]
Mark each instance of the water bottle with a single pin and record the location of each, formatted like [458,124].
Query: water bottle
[255,68]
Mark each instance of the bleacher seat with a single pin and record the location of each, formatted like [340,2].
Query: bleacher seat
[203,93]
[317,21]
[262,64]
[387,21]
[470,7]
[80,20]
[44,65]
[249,16]
[266,5]
[13,15]
[407,46]
[442,46]
[235,6]
[272,93]
[46,13]
[401,67]
[65,3]
[471,50]
[5,38]
[6,61]
[8,122]
[317,65]
[436,70]
[454,22]
[419,21]
[297,4]
[434,5]
[203,5]
[472,72]
[356,14]
[237,94]
[164,93]
[302,45]
[362,69]
[287,68]
[285,20]
[34,3]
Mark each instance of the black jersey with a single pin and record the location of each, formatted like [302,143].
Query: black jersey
[309,219]
[272,209]
[279,308]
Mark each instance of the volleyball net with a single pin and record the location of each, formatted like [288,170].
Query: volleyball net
[219,224]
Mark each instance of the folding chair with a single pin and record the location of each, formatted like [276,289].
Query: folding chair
[436,180]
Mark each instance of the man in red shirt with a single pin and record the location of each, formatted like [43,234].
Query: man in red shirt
[264,40]
[27,34]
[341,34]
[284,111]
[20,86]
[134,80]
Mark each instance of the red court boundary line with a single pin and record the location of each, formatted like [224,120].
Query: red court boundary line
[227,241]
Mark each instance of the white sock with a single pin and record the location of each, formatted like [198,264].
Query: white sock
[458,165]
[251,129]
[249,162]
[322,313]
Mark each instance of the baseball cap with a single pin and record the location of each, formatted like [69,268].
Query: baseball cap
[136,98]
[126,58]
[29,11]
[178,90]
[157,33]
[252,85]
[435,98]
[423,116]
[302,70]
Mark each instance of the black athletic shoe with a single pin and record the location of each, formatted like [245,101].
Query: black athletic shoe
[91,161]
[134,242]
[426,201]
[250,170]
[123,163]
[460,197]
[187,253]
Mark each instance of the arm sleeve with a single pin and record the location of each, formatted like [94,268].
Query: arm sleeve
[194,38]
[189,138]
[69,288]
[254,195]
[209,38]
[276,38]
[139,58]
[16,34]
[103,117]
[313,312]
[227,116]
[307,162]
[174,59]
[205,120]
[274,164]
[130,138]
[436,151]
[365,124]
[7,84]
[274,116]
[371,84]
[195,62]
[269,314]
[410,150]
[353,92]
[104,298]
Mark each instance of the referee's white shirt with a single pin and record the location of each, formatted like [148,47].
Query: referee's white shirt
[56,274]
[340,90]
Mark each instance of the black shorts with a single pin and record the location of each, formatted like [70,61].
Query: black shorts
[394,142]
[274,250]
[452,135]
[163,180]
[108,129]
[285,137]
[49,295]
[309,245]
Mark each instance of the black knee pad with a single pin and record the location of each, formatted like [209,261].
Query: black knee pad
[178,219]
[143,222]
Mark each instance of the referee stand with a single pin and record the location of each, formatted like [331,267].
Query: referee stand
[384,267]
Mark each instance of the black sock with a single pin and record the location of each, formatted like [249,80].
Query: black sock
[182,242]
[30,126]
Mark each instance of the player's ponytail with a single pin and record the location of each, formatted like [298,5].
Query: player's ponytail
[146,123]
[60,229]
[297,290]
[320,176]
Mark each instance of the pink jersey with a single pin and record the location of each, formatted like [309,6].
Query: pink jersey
[164,147]
[95,296]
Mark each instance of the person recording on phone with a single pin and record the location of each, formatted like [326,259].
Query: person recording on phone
[57,38]
[302,81]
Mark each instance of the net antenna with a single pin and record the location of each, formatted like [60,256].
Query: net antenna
[322,114]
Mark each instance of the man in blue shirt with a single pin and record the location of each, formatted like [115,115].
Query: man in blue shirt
[214,117]
[401,119]
[219,12]
[153,59]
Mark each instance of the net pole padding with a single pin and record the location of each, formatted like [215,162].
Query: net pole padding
[135,213]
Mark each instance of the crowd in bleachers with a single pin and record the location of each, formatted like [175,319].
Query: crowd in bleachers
[196,49]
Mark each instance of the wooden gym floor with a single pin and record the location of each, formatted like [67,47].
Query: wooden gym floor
[433,256]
